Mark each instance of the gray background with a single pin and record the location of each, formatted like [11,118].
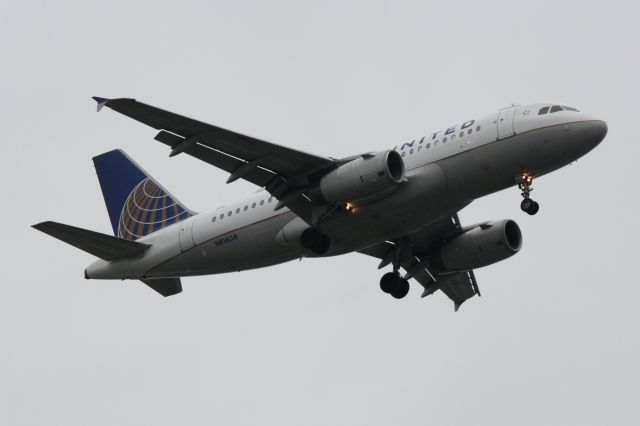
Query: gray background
[552,341]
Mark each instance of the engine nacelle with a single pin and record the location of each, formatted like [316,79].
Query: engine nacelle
[299,233]
[482,245]
[371,176]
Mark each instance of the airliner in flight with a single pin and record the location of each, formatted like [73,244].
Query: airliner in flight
[399,205]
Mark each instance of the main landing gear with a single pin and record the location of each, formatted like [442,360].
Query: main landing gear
[527,205]
[393,284]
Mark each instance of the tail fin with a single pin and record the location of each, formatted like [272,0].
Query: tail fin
[136,203]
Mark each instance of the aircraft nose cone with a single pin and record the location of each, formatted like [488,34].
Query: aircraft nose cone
[600,129]
[597,131]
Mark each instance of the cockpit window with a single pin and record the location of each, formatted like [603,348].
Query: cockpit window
[556,108]
[570,108]
[543,110]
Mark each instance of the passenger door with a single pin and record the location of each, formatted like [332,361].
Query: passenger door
[505,122]
[186,234]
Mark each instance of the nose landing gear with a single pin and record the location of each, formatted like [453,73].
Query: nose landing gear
[527,205]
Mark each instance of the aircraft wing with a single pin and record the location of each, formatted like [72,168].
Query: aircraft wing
[458,286]
[283,171]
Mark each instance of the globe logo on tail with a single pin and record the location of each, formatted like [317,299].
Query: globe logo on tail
[147,209]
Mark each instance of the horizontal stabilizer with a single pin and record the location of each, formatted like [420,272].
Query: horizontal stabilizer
[165,286]
[100,245]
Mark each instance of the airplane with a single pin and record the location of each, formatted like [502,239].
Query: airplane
[399,205]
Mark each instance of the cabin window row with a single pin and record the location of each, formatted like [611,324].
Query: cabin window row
[246,208]
[436,142]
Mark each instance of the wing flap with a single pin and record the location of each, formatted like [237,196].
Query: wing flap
[104,246]
[458,287]
[256,175]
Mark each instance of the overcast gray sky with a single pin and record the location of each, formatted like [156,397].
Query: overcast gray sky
[554,339]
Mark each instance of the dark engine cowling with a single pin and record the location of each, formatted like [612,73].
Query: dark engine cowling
[368,177]
[299,233]
[482,245]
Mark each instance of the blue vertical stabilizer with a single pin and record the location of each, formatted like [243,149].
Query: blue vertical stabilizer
[136,203]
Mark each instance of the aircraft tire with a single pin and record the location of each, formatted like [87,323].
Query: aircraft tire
[388,282]
[526,204]
[533,209]
[402,289]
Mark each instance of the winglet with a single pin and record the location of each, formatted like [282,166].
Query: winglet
[101,101]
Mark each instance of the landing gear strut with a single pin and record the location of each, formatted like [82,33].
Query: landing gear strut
[527,205]
[393,284]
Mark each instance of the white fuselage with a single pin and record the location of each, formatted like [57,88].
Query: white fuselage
[445,170]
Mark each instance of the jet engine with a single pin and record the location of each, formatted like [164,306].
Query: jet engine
[299,233]
[368,177]
[482,245]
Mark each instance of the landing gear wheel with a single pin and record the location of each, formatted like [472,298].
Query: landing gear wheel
[529,206]
[388,282]
[402,288]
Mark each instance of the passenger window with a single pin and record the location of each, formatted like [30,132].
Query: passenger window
[213,219]
[270,199]
[403,153]
[543,110]
[461,134]
[246,208]
[556,108]
[428,145]
[262,202]
[478,129]
[222,216]
[469,132]
[444,140]
[238,210]
[229,213]
[253,206]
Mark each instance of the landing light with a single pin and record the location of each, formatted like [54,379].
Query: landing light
[350,208]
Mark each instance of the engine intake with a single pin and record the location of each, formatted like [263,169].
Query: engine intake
[482,245]
[368,177]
